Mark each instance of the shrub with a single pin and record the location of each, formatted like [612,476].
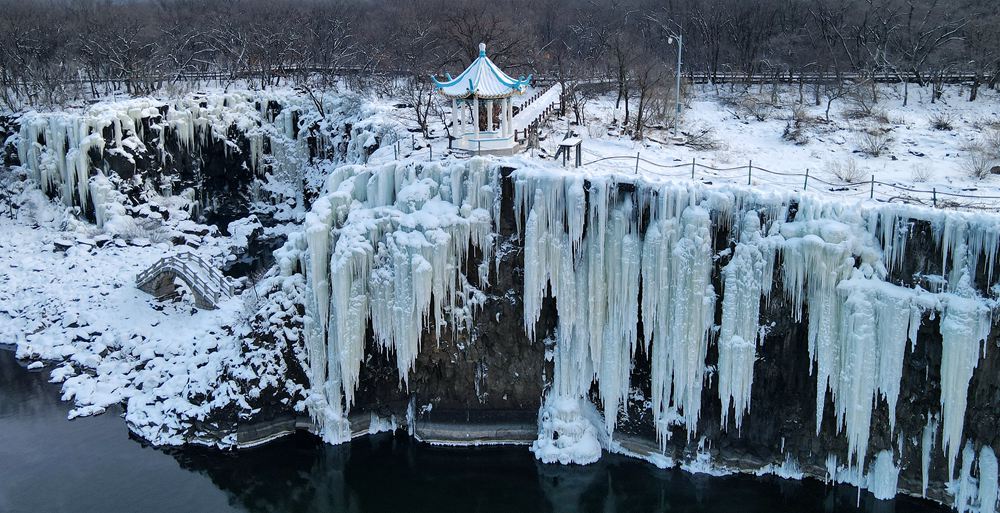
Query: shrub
[703,138]
[860,104]
[800,116]
[920,173]
[991,141]
[942,121]
[988,123]
[982,155]
[847,171]
[874,143]
[976,161]
[793,133]
[758,109]
[746,105]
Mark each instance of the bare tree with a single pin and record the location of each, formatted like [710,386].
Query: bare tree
[650,76]
[60,50]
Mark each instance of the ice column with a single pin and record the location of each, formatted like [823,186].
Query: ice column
[743,282]
[988,486]
[964,328]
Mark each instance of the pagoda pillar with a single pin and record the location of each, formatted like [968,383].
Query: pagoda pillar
[475,115]
[509,118]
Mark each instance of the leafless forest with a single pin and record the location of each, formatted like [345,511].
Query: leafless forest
[59,50]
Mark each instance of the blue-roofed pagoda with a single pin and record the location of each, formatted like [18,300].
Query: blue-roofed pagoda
[481,111]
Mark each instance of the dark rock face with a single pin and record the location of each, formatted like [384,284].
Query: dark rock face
[8,153]
[219,172]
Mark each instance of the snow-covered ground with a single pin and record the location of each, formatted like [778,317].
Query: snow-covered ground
[917,155]
[715,133]
[78,308]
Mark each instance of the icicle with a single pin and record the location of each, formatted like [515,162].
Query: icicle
[964,328]
[965,489]
[743,281]
[383,246]
[926,446]
[567,431]
[883,476]
[984,239]
[621,276]
[988,485]
[689,318]
[894,233]
[855,390]
[952,241]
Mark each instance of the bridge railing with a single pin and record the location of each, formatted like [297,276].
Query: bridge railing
[205,279]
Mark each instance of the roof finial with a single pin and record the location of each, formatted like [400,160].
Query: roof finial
[482,49]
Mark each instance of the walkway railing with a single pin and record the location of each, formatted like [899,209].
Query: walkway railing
[205,280]
[872,189]
[534,110]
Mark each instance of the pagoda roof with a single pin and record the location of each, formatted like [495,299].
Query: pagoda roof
[482,79]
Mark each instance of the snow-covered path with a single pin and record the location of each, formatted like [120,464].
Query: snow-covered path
[531,112]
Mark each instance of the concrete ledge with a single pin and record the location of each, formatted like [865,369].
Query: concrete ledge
[441,433]
[260,433]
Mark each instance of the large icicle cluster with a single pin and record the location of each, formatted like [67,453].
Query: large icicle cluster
[746,278]
[65,151]
[630,265]
[386,246]
[964,328]
[602,248]
[595,276]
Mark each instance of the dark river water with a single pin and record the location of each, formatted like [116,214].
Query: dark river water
[50,465]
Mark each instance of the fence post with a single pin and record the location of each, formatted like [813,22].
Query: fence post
[749,172]
[872,195]
[805,184]
[636,162]
[934,191]
[413,142]
[692,169]
[430,149]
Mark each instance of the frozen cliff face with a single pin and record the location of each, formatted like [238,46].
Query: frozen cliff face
[676,274]
[386,247]
[227,148]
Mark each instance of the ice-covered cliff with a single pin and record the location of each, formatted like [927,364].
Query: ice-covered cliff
[718,328]
[655,294]
[218,150]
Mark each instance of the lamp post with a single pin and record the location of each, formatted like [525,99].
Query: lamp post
[680,48]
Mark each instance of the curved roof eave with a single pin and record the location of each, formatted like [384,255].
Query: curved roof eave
[492,85]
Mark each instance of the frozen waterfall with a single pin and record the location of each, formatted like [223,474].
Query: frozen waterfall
[660,268]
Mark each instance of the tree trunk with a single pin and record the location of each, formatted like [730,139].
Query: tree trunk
[639,115]
[625,122]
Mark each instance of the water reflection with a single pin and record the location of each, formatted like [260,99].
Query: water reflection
[49,464]
[394,473]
